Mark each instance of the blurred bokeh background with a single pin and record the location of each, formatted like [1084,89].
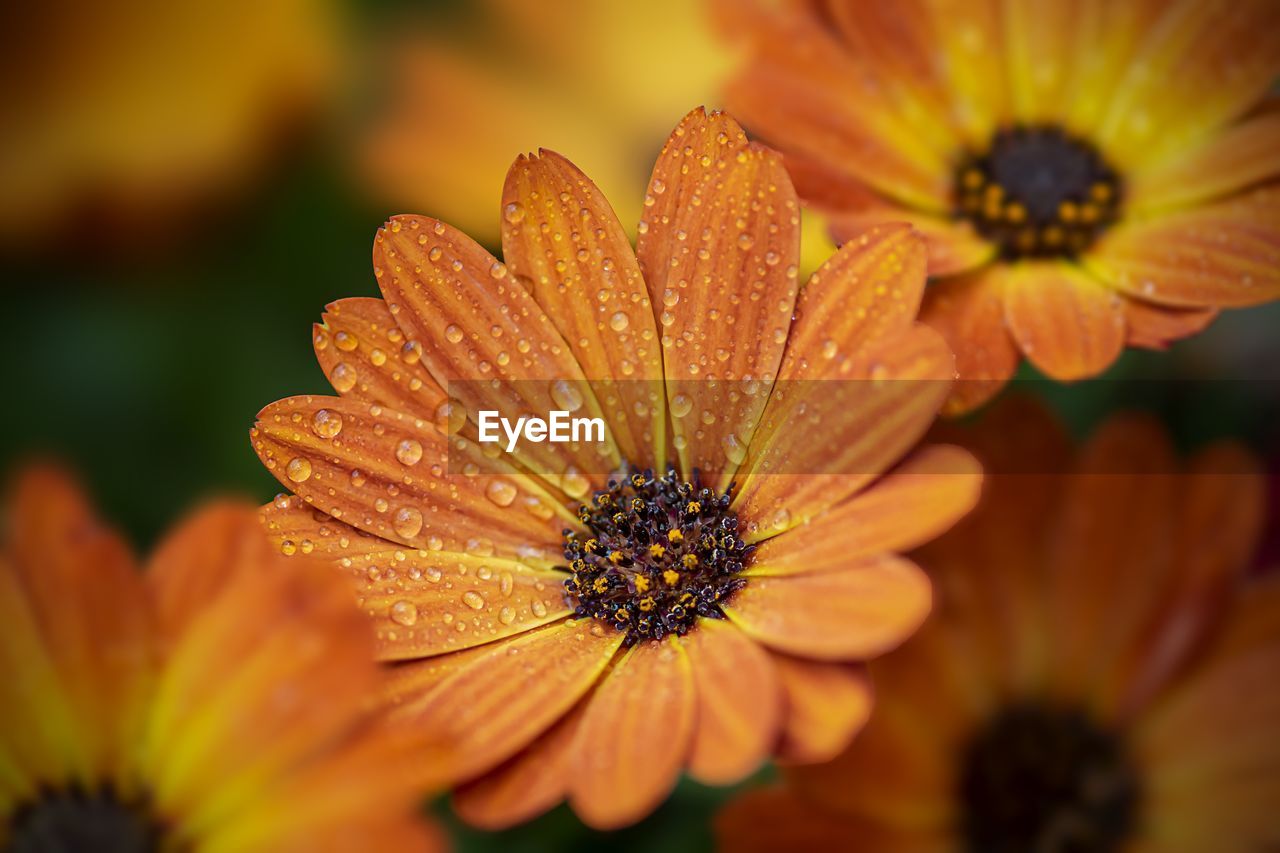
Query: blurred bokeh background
[185,186]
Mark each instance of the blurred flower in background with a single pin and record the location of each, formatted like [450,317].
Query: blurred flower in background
[1088,174]
[560,643]
[600,83]
[1098,673]
[119,117]
[215,702]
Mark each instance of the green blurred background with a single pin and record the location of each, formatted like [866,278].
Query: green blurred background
[140,355]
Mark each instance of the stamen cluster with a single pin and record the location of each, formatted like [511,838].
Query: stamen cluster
[659,553]
[1038,192]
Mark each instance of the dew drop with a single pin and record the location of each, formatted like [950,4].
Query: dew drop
[407,522]
[404,613]
[473,599]
[343,377]
[681,405]
[326,423]
[453,334]
[506,616]
[619,322]
[299,469]
[565,395]
[734,450]
[409,451]
[501,492]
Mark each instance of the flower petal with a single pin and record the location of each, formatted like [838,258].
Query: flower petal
[1198,66]
[364,354]
[907,507]
[1238,157]
[1156,326]
[739,703]
[849,614]
[634,736]
[1041,49]
[488,711]
[968,311]
[560,234]
[527,785]
[391,475]
[83,587]
[953,247]
[1068,324]
[1224,255]
[471,316]
[820,441]
[724,222]
[827,704]
[764,820]
[429,603]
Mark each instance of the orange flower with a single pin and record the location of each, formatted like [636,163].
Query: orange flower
[127,110]
[1088,174]
[214,703]
[562,648]
[1098,673]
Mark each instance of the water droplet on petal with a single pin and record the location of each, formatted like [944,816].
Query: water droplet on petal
[473,599]
[407,522]
[501,492]
[409,451]
[299,469]
[326,423]
[404,613]
[681,405]
[566,396]
[343,377]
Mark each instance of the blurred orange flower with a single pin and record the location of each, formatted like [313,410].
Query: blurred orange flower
[579,78]
[1088,174]
[215,702]
[566,646]
[1098,673]
[130,110]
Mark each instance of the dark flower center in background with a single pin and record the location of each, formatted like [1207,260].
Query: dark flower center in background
[73,821]
[659,553]
[1046,779]
[1038,192]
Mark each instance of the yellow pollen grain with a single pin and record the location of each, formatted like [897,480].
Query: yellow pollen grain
[675,536]
[1100,192]
[972,179]
[642,584]
[1088,213]
[689,560]
[622,615]
[671,577]
[1068,212]
[1015,212]
[647,603]
[657,549]
[600,584]
[616,557]
[694,506]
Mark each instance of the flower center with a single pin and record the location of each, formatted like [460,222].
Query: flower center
[659,553]
[1039,778]
[73,820]
[1038,192]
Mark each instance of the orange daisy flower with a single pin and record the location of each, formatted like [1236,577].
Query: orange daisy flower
[1088,174]
[571,644]
[216,702]
[1098,673]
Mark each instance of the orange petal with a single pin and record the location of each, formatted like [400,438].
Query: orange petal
[1240,156]
[471,317]
[849,614]
[87,595]
[282,647]
[1067,323]
[867,293]
[724,220]
[396,477]
[1041,49]
[953,247]
[826,704]
[489,710]
[192,566]
[766,820]
[1197,66]
[430,603]
[1109,553]
[1224,255]
[805,91]
[739,703]
[365,354]
[560,234]
[527,785]
[1156,326]
[821,441]
[914,503]
[966,37]
[968,312]
[634,736]
[1219,523]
